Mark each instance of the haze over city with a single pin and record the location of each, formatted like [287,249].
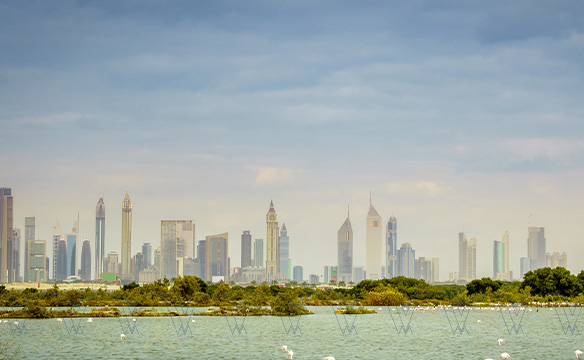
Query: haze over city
[453,117]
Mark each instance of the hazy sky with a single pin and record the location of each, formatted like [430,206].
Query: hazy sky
[452,113]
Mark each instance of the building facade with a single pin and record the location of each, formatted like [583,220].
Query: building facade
[147,253]
[246,249]
[298,273]
[126,237]
[37,250]
[467,257]
[536,247]
[284,254]
[29,234]
[216,257]
[85,273]
[391,248]
[6,232]
[258,250]
[406,261]
[175,235]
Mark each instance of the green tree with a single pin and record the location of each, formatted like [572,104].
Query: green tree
[480,286]
[187,286]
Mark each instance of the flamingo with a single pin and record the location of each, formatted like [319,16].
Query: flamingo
[122,337]
[59,320]
[501,341]
[329,358]
[478,321]
[578,353]
[284,348]
[505,356]
[290,354]
[90,320]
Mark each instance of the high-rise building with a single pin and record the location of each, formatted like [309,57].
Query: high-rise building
[201,250]
[258,250]
[126,237]
[373,250]
[435,270]
[331,273]
[72,239]
[498,258]
[536,247]
[29,234]
[37,250]
[556,259]
[16,254]
[273,248]
[467,255]
[175,235]
[147,254]
[345,251]
[506,260]
[284,258]
[423,269]
[99,237]
[391,248]
[313,279]
[246,249]
[358,274]
[406,256]
[111,263]
[138,265]
[524,264]
[57,231]
[297,273]
[216,256]
[6,233]
[62,270]
[85,272]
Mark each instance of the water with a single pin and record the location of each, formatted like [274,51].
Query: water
[323,334]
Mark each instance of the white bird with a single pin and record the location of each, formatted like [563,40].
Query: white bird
[193,320]
[16,323]
[505,356]
[134,320]
[122,336]
[329,358]
[5,322]
[290,354]
[501,341]
[478,321]
[578,353]
[59,320]
[284,348]
[90,320]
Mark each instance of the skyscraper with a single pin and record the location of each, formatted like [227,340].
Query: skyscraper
[406,257]
[423,269]
[175,235]
[345,251]
[202,251]
[246,249]
[29,234]
[373,250]
[62,261]
[536,247]
[498,258]
[99,237]
[216,258]
[16,254]
[273,247]
[56,238]
[72,240]
[85,273]
[6,233]
[258,250]
[126,237]
[37,250]
[435,270]
[297,273]
[391,248]
[467,255]
[284,257]
[147,254]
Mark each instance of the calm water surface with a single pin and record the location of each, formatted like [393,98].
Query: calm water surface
[542,336]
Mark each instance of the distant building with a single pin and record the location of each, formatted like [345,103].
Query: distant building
[99,237]
[330,273]
[258,250]
[406,256]
[498,258]
[85,273]
[57,231]
[29,234]
[137,265]
[72,240]
[111,263]
[62,272]
[273,244]
[216,256]
[467,257]
[252,273]
[345,251]
[423,269]
[126,272]
[16,254]
[148,275]
[202,258]
[524,266]
[147,253]
[358,274]
[391,248]
[435,270]
[284,258]
[556,259]
[246,249]
[536,247]
[313,279]
[6,233]
[373,250]
[37,250]
[297,275]
[191,267]
[177,238]
[453,276]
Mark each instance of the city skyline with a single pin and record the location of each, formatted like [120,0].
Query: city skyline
[453,115]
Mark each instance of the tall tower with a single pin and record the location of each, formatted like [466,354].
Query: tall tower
[29,234]
[175,235]
[99,237]
[536,247]
[506,243]
[272,245]
[57,230]
[284,252]
[6,232]
[462,256]
[72,249]
[345,251]
[391,248]
[258,250]
[126,235]
[246,249]
[85,260]
[216,258]
[373,244]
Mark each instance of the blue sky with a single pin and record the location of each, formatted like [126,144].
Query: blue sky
[452,113]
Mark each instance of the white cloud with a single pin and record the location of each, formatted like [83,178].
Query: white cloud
[270,176]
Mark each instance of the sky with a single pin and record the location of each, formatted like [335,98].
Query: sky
[454,115]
